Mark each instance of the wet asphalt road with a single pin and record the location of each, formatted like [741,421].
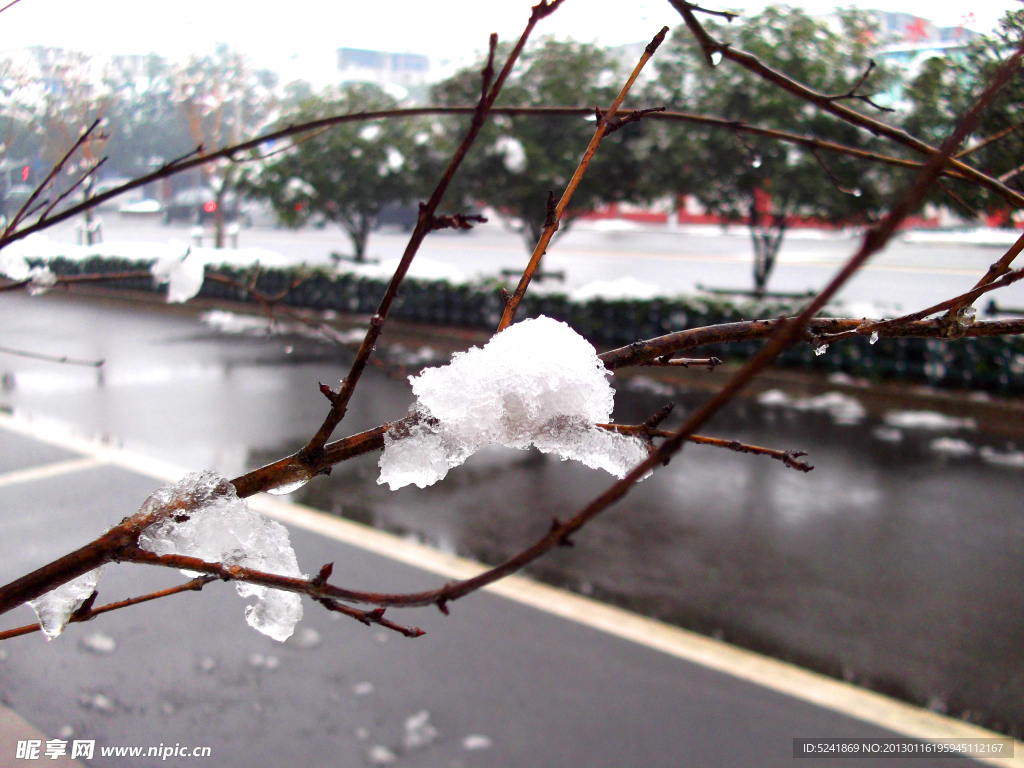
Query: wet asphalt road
[893,564]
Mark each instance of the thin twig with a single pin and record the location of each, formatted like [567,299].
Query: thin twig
[15,285]
[554,217]
[957,199]
[686,362]
[789,458]
[57,168]
[51,358]
[196,585]
[963,300]
[375,616]
[832,177]
[727,15]
[67,192]
[1011,174]
[985,142]
[852,93]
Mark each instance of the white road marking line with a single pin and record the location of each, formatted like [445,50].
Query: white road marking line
[47,471]
[802,684]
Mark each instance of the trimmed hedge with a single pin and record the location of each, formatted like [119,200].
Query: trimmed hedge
[992,363]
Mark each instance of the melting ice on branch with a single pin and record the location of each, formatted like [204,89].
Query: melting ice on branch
[217,526]
[54,609]
[537,383]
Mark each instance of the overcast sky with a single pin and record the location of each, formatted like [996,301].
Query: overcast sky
[448,28]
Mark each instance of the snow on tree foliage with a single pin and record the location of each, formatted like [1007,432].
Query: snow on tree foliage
[216,526]
[54,609]
[537,383]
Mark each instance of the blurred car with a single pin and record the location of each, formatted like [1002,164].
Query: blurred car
[116,202]
[198,205]
[397,215]
[141,208]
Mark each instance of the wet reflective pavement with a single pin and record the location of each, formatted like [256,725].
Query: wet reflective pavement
[897,563]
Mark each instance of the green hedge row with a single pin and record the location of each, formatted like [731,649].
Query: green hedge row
[994,364]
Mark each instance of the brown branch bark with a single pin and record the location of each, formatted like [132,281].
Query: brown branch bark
[15,285]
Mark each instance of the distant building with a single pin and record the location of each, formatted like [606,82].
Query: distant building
[905,28]
[358,65]
[909,40]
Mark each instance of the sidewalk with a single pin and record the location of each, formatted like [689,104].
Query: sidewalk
[523,675]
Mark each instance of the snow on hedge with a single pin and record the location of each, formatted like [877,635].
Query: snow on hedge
[217,526]
[537,383]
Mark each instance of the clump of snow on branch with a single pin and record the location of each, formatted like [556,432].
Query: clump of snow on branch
[182,272]
[207,520]
[54,609]
[537,383]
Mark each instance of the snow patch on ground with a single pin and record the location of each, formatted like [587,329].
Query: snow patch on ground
[1014,459]
[842,408]
[989,236]
[537,383]
[953,447]
[622,289]
[927,420]
[210,522]
[420,269]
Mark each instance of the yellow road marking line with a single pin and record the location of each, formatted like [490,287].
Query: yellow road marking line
[47,471]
